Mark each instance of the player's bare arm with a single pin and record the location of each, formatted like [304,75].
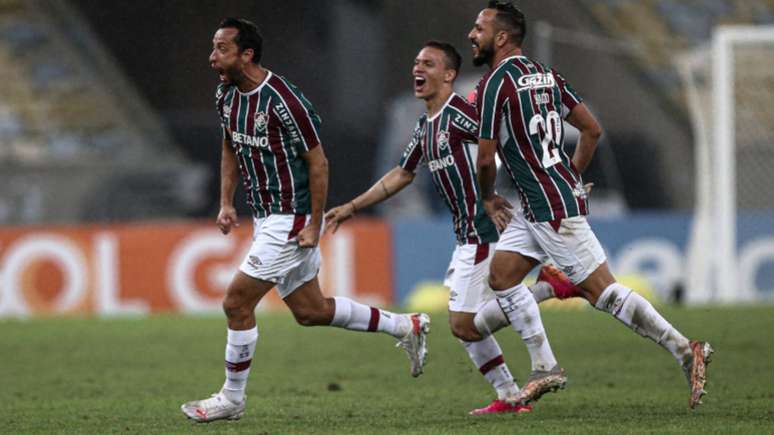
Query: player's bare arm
[497,207]
[590,132]
[229,177]
[318,190]
[391,183]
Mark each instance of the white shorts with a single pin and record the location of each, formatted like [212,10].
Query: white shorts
[572,246]
[275,256]
[467,277]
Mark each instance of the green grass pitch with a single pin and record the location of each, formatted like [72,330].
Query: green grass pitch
[131,375]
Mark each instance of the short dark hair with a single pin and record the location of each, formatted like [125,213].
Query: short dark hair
[510,19]
[453,58]
[247,36]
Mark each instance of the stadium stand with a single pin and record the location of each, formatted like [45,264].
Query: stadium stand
[660,28]
[74,134]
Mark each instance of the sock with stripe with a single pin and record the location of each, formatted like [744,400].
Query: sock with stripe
[488,358]
[522,310]
[639,315]
[359,317]
[490,318]
[240,349]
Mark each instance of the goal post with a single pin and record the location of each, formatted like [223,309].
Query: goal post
[729,88]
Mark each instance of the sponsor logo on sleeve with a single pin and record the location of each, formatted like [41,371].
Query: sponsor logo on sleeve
[536,81]
[464,123]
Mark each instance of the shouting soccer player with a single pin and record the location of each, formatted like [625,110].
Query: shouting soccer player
[271,137]
[521,106]
[444,139]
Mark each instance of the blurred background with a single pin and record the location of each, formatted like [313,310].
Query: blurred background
[110,146]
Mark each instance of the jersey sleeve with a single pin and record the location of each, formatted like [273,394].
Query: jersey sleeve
[220,96]
[303,125]
[466,120]
[413,156]
[570,97]
[489,104]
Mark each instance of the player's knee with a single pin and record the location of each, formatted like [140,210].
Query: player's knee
[235,309]
[498,280]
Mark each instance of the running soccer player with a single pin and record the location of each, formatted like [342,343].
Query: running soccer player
[271,136]
[444,140]
[521,106]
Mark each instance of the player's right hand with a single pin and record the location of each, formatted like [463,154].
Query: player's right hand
[499,210]
[227,218]
[337,215]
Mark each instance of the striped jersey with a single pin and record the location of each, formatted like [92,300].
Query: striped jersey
[270,128]
[522,104]
[447,144]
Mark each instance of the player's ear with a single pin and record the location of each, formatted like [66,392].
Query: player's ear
[449,75]
[247,55]
[501,38]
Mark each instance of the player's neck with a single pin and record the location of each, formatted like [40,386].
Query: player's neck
[253,76]
[435,104]
[505,53]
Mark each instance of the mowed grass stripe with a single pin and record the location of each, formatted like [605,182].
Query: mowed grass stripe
[80,375]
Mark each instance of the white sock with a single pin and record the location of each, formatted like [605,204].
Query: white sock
[639,315]
[542,291]
[488,358]
[490,318]
[519,305]
[359,317]
[240,347]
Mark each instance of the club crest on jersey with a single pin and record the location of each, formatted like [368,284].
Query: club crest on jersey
[261,120]
[226,112]
[443,139]
[536,81]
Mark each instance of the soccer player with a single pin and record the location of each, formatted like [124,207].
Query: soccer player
[444,140]
[521,105]
[271,136]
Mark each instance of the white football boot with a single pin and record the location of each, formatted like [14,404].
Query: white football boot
[415,342]
[217,407]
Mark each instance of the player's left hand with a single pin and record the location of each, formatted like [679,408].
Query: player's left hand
[499,210]
[309,236]
[337,215]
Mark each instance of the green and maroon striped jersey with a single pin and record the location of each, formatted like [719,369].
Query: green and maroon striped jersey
[447,144]
[521,103]
[270,128]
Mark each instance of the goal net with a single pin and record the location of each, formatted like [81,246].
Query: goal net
[730,92]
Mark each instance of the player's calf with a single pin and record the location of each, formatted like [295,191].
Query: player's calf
[314,315]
